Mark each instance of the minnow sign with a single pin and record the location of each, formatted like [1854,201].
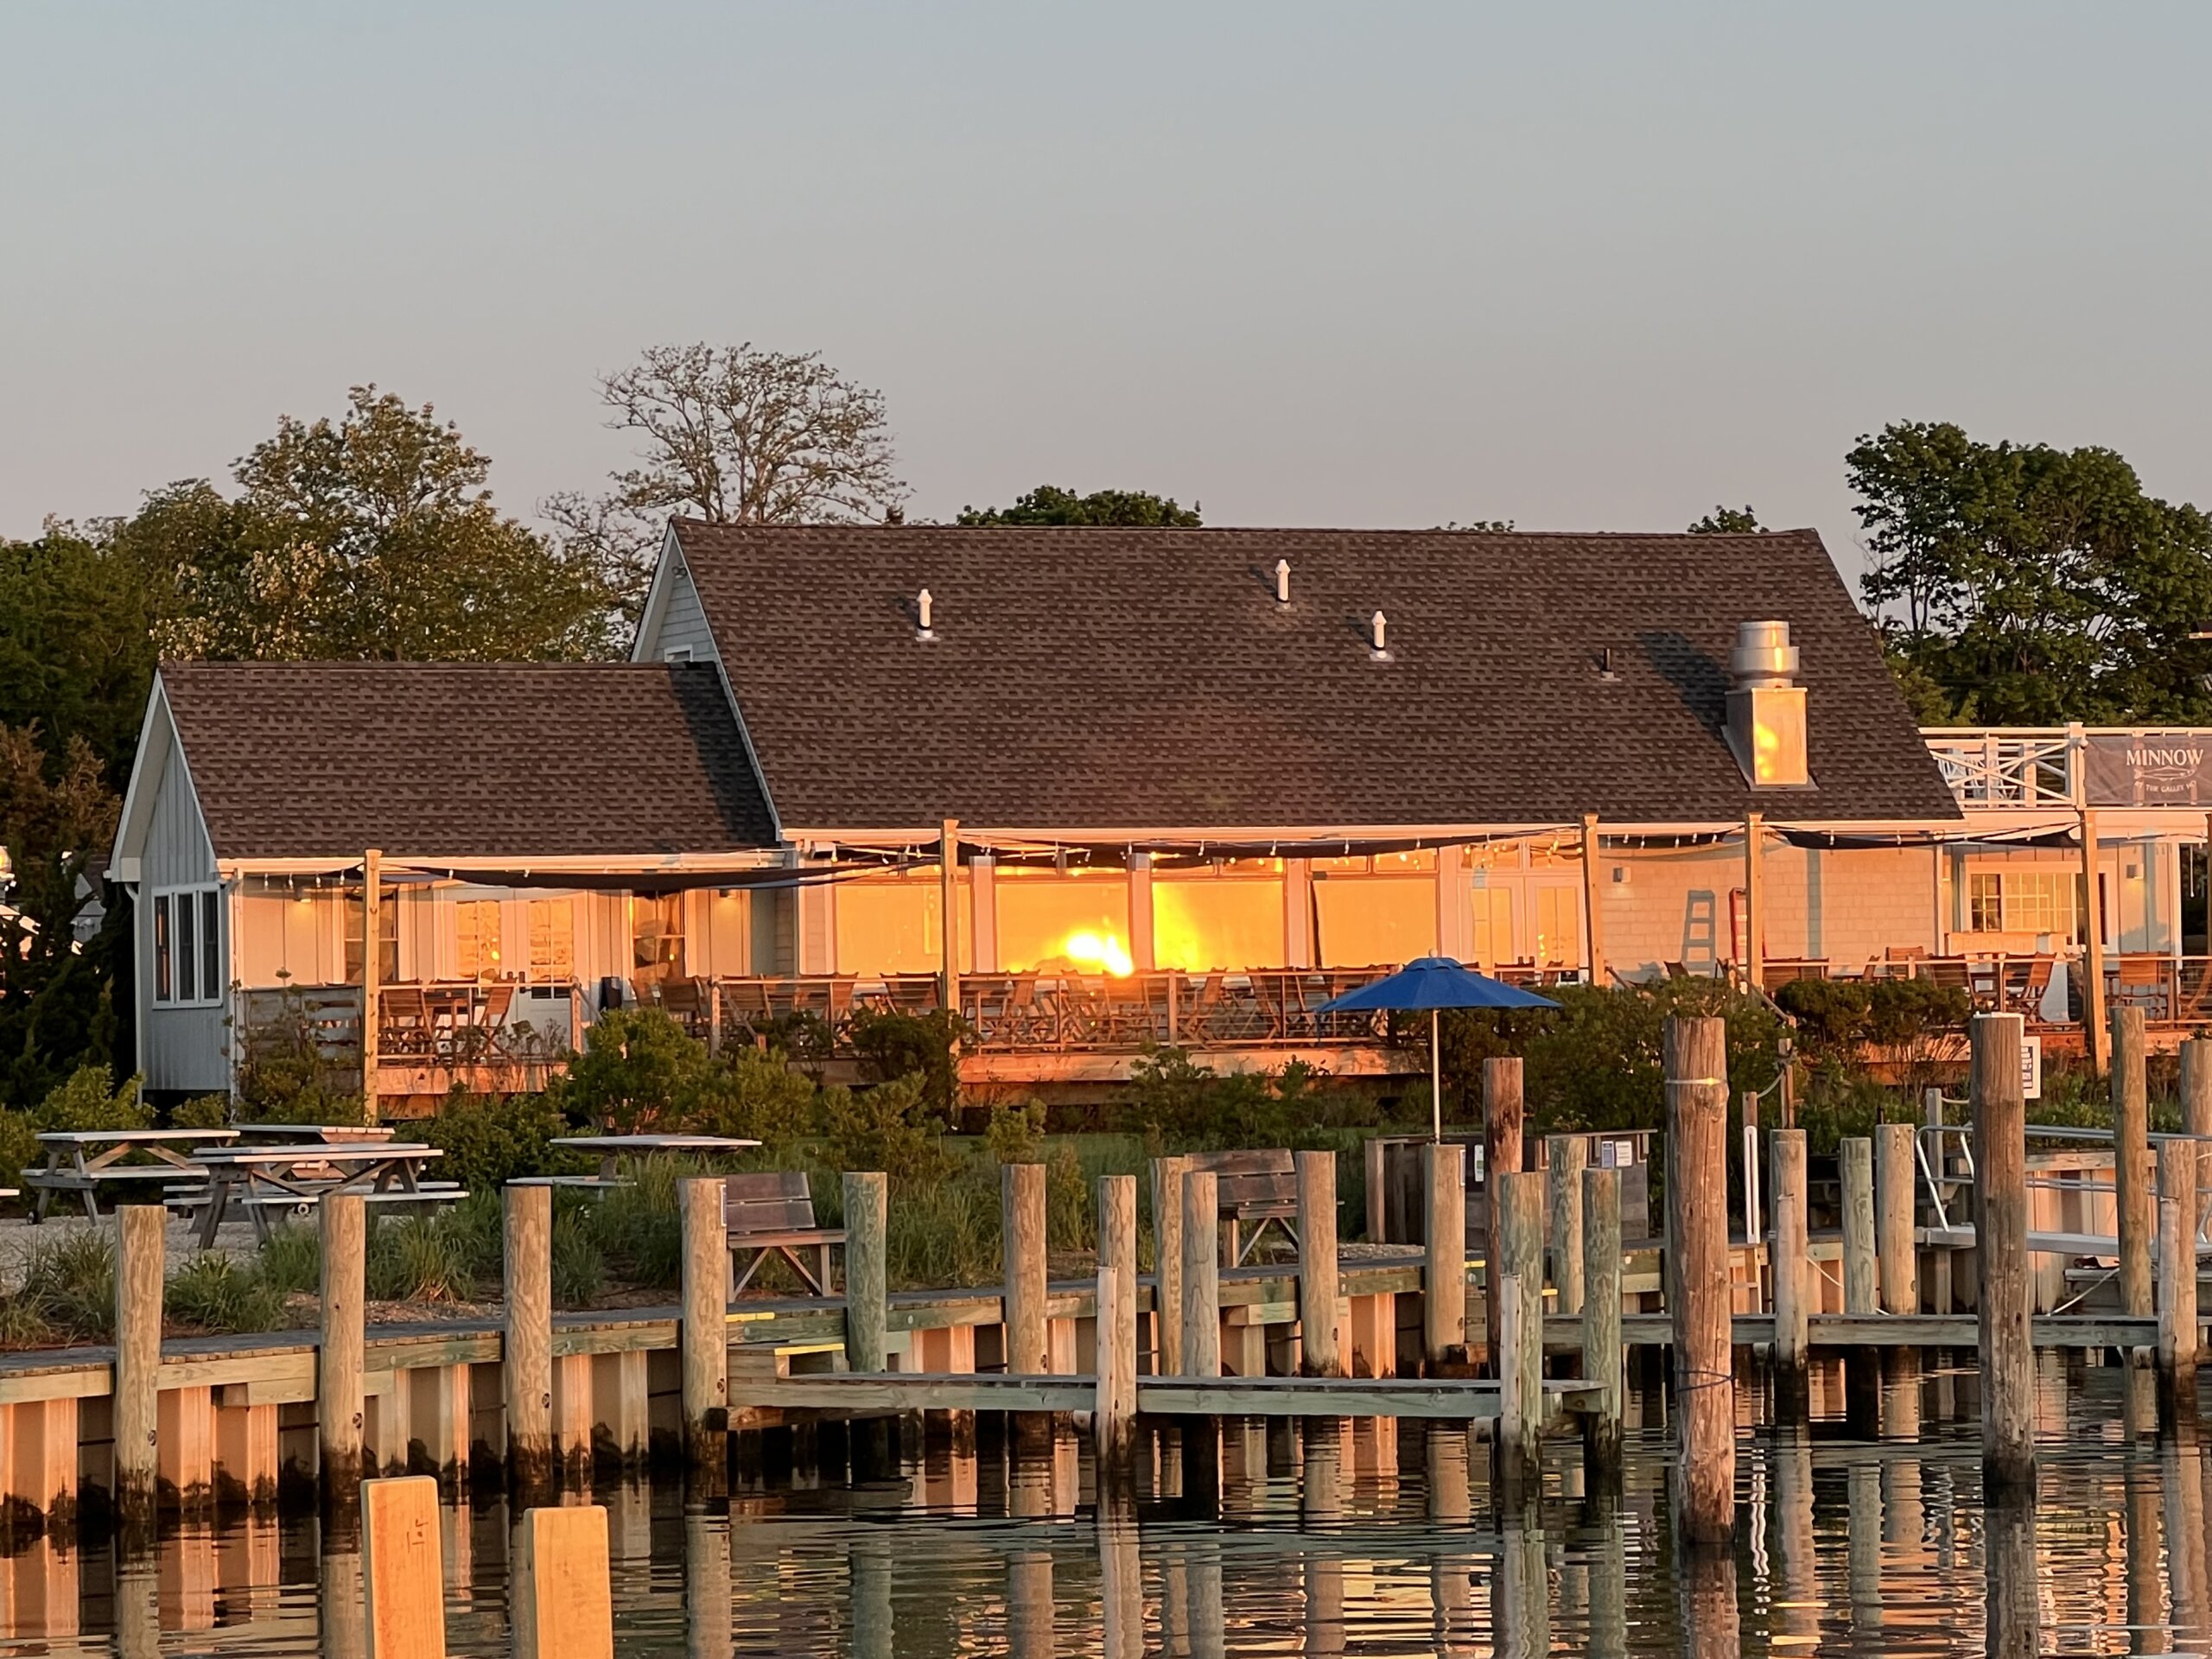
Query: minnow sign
[2148,769]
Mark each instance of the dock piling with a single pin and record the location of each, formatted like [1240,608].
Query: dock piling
[138,1273]
[526,1353]
[867,1270]
[1167,1174]
[1318,1354]
[2177,1317]
[2006,1344]
[1028,1335]
[704,1336]
[1502,1153]
[1565,1155]
[2131,1117]
[403,1573]
[563,1586]
[1695,1056]
[1855,1160]
[1792,1302]
[1444,1276]
[1201,1353]
[341,1353]
[1520,1281]
[1601,1317]
[1894,1184]
[2196,1086]
[1114,1418]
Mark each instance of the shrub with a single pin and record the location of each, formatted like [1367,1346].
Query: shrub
[637,1069]
[90,1100]
[1176,1102]
[215,1293]
[71,1284]
[888,1127]
[19,1147]
[284,1077]
[489,1139]
[203,1112]
[414,1259]
[637,1226]
[893,1045]
[1015,1135]
[751,1096]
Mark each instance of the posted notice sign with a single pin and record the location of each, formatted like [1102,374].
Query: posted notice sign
[2031,1068]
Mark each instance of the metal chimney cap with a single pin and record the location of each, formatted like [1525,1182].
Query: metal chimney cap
[1764,655]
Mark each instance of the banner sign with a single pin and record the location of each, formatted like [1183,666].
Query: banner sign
[2150,769]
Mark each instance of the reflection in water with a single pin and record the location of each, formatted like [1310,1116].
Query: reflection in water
[1327,1537]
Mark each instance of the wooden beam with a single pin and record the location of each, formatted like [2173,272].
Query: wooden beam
[2093,993]
[403,1575]
[1593,931]
[371,974]
[1754,901]
[948,876]
[564,1592]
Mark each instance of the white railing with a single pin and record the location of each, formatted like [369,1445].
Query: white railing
[2005,766]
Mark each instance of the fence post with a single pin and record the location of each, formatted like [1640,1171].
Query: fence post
[1201,1274]
[1444,1280]
[1317,1265]
[1565,1156]
[1895,1252]
[866,1269]
[1168,1176]
[2007,1347]
[526,1353]
[1601,1317]
[1856,1160]
[1021,1207]
[1695,1056]
[1114,1418]
[705,1335]
[342,1354]
[138,1280]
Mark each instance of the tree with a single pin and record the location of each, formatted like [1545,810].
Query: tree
[736,435]
[77,616]
[2025,584]
[373,535]
[1727,521]
[1048,504]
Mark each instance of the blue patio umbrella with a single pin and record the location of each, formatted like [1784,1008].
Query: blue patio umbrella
[1435,983]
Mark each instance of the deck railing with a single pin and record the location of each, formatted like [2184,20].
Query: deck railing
[2007,767]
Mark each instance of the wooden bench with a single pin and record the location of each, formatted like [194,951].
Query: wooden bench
[1257,1189]
[771,1212]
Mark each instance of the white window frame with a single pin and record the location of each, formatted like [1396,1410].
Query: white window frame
[202,902]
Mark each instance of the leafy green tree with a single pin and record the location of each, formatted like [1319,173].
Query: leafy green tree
[2023,584]
[1727,521]
[1050,504]
[77,616]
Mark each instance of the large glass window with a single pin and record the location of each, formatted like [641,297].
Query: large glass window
[1077,923]
[656,938]
[1558,940]
[188,945]
[387,938]
[1493,935]
[477,928]
[1375,912]
[892,923]
[2027,901]
[1228,915]
[552,939]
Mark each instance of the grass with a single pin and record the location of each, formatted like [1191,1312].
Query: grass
[213,1291]
[71,1284]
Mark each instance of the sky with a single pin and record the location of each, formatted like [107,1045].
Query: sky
[1581,266]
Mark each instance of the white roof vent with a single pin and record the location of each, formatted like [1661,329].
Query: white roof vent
[1378,650]
[1282,584]
[1766,708]
[924,605]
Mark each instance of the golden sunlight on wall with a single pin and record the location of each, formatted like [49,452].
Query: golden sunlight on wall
[1202,920]
[1079,921]
[1375,912]
[894,924]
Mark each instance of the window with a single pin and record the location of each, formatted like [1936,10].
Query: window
[188,946]
[2026,901]
[657,936]
[477,935]
[677,654]
[387,938]
[1375,913]
[552,939]
[1493,940]
[1076,923]
[1227,916]
[892,923]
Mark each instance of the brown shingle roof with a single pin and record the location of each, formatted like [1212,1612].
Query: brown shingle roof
[463,759]
[1101,678]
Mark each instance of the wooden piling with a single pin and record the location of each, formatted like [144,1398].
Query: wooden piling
[1318,1353]
[1565,1155]
[866,1269]
[1520,1281]
[1376,1171]
[564,1586]
[1444,1279]
[1502,1152]
[2131,1117]
[138,1273]
[704,1336]
[1895,1184]
[342,1351]
[1113,1417]
[1855,1160]
[2196,1086]
[1792,1298]
[1695,1056]
[2006,1344]
[1022,1209]
[2178,1318]
[402,1576]
[1601,1317]
[1201,1354]
[526,1353]
[1168,1175]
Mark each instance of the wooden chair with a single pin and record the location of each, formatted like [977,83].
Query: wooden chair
[2028,999]
[685,1001]
[771,1212]
[1255,1188]
[403,1021]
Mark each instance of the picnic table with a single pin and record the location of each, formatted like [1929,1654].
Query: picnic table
[335,1133]
[84,1160]
[261,1180]
[612,1148]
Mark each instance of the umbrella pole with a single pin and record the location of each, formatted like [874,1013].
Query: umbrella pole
[1436,1073]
